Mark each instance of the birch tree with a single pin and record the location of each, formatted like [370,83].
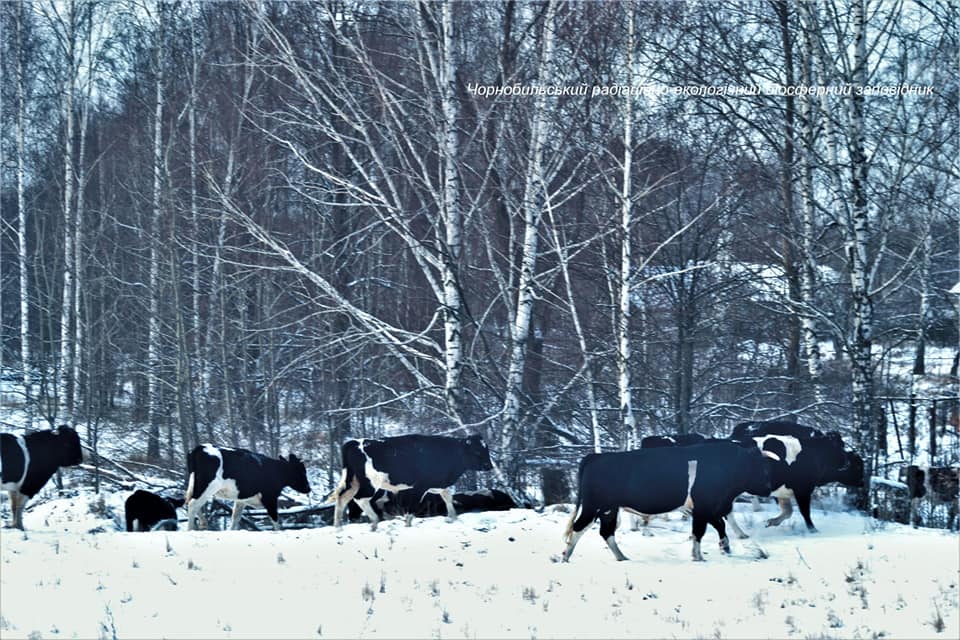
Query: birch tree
[534,191]
[155,409]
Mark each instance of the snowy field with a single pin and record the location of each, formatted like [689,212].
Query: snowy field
[488,575]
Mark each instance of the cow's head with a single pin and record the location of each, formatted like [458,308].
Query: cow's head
[296,474]
[67,446]
[851,472]
[478,456]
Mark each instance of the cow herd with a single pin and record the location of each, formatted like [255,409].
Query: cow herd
[411,475]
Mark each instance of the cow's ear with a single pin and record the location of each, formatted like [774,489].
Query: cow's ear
[293,458]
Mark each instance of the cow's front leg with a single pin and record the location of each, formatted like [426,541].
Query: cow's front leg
[448,501]
[803,503]
[270,503]
[718,524]
[735,526]
[786,510]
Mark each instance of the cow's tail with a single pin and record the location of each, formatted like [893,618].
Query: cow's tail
[191,477]
[568,531]
[339,488]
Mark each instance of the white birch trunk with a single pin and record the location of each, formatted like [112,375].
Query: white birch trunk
[78,284]
[66,303]
[194,327]
[25,357]
[808,260]
[453,224]
[532,211]
[857,246]
[153,339]
[627,418]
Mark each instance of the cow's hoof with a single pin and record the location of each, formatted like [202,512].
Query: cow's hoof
[773,522]
[698,559]
[725,545]
[742,536]
[812,530]
[647,533]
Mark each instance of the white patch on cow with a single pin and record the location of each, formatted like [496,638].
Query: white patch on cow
[377,478]
[792,444]
[15,486]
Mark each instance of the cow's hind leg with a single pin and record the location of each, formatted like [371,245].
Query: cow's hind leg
[786,510]
[699,528]
[237,512]
[575,529]
[369,511]
[608,528]
[194,509]
[17,502]
[345,494]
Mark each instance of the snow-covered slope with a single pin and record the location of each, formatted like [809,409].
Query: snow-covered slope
[490,575]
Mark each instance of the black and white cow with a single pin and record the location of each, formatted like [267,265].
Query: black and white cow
[242,476]
[705,477]
[28,462]
[146,511]
[813,458]
[421,463]
[940,485]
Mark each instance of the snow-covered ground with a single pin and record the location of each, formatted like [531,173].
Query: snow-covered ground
[487,575]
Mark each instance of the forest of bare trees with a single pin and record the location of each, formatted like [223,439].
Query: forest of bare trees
[282,224]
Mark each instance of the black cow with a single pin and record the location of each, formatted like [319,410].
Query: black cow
[27,462]
[705,477]
[424,464]
[242,476]
[937,484]
[146,511]
[812,457]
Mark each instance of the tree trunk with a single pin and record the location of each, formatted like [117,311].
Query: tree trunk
[532,211]
[64,390]
[24,261]
[627,419]
[857,247]
[153,320]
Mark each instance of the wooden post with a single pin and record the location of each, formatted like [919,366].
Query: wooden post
[896,426]
[933,431]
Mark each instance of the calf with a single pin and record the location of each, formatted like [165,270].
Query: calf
[812,457]
[146,511]
[27,462]
[428,505]
[705,477]
[424,464]
[938,484]
[242,476]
